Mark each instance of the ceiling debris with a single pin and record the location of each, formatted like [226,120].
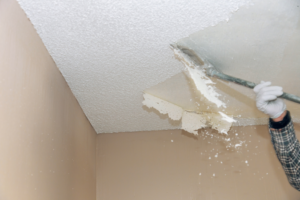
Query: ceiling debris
[191,107]
[257,43]
[191,122]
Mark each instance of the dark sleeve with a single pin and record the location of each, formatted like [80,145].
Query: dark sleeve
[287,148]
[279,125]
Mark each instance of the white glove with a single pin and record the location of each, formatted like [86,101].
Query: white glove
[267,101]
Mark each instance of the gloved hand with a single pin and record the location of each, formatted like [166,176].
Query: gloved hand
[267,101]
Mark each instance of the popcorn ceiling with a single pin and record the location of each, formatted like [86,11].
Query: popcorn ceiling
[110,51]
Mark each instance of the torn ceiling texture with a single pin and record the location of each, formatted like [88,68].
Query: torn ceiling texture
[111,51]
[252,45]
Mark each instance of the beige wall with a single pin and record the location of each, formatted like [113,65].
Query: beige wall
[47,146]
[149,166]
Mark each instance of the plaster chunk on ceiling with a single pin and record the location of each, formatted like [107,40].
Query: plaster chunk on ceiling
[202,82]
[192,122]
[181,92]
[174,112]
[221,122]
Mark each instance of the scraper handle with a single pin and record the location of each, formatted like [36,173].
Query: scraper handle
[216,73]
[290,97]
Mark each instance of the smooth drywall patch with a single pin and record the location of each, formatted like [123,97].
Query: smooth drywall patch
[110,51]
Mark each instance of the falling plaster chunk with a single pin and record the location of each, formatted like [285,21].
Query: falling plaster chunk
[227,118]
[174,112]
[191,122]
[218,123]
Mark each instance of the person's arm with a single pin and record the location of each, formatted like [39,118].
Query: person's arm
[280,118]
[287,147]
[281,129]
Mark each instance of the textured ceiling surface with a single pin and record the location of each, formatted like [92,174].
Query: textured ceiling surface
[110,51]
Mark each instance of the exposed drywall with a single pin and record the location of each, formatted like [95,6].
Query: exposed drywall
[110,51]
[181,91]
[174,165]
[257,43]
[251,45]
[47,145]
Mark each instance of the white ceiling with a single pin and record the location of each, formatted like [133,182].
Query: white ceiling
[110,51]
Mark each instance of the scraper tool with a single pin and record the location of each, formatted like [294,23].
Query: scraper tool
[211,71]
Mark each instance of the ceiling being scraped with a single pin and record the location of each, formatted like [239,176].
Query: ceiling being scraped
[259,42]
[110,51]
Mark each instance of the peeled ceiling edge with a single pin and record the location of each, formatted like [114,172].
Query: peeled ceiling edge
[193,121]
